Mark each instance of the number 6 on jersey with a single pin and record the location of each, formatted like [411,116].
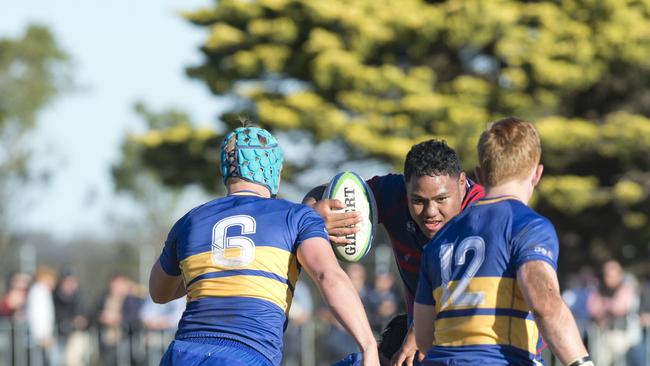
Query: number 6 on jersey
[233,251]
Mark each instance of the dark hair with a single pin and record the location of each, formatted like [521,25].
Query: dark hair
[392,336]
[431,157]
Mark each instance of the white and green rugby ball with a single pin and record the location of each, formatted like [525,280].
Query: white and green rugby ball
[352,190]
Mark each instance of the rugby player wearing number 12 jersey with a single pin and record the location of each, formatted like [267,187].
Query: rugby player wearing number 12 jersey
[238,258]
[488,286]
[412,207]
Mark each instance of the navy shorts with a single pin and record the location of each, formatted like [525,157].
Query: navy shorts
[215,351]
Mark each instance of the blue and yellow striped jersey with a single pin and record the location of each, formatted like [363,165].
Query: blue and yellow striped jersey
[237,256]
[469,274]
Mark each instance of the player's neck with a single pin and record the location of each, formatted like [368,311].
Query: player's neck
[245,186]
[515,189]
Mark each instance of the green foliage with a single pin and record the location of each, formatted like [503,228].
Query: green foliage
[31,75]
[145,158]
[381,75]
[33,72]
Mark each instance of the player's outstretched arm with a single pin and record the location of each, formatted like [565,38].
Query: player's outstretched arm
[164,288]
[317,257]
[338,224]
[539,285]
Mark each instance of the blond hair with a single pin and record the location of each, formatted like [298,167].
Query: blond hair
[508,150]
[45,273]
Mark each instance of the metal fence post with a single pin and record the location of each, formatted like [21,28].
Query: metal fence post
[308,344]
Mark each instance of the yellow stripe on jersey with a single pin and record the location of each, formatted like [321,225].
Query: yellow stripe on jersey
[244,286]
[498,292]
[269,259]
[487,329]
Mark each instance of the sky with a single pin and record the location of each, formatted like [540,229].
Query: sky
[123,51]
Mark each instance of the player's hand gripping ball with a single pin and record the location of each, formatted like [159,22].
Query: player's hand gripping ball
[352,190]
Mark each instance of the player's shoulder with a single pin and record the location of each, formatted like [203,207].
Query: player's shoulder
[525,218]
[282,203]
[295,211]
[389,180]
[387,189]
[204,208]
[521,210]
[181,225]
[296,208]
[508,210]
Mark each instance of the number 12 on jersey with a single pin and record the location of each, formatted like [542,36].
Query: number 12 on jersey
[458,296]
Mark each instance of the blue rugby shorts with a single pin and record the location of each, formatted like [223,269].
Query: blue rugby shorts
[212,352]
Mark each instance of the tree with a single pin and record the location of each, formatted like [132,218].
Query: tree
[381,75]
[144,172]
[33,72]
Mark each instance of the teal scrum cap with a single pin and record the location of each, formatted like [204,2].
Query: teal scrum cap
[252,154]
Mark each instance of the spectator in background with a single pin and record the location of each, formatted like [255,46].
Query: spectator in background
[338,343]
[12,303]
[160,321]
[357,274]
[70,319]
[162,317]
[381,301]
[615,309]
[301,312]
[580,286]
[40,311]
[644,317]
[390,341]
[117,315]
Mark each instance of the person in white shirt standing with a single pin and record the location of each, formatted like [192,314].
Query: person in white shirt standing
[40,311]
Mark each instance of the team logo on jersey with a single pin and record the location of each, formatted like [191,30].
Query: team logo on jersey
[410,226]
[543,251]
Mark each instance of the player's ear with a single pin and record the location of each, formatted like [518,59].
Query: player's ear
[462,180]
[537,175]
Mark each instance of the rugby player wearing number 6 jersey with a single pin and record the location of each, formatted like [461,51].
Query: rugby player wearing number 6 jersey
[237,259]
[488,287]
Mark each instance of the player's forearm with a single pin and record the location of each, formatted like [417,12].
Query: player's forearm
[423,340]
[538,283]
[343,300]
[560,332]
[423,326]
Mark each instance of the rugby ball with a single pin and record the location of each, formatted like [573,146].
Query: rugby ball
[352,190]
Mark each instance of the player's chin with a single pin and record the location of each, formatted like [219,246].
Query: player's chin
[430,229]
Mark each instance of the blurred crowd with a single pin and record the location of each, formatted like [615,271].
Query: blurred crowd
[381,301]
[63,327]
[612,309]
